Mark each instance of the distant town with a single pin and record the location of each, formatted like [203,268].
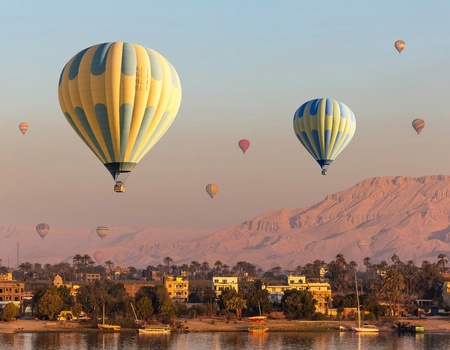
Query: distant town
[87,291]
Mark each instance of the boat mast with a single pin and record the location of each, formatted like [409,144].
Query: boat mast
[357,300]
[103,311]
[134,312]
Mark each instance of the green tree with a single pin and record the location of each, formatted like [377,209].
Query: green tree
[392,287]
[236,304]
[298,304]
[49,305]
[167,311]
[9,312]
[258,301]
[144,309]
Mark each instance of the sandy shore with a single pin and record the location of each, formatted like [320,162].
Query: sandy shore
[432,325]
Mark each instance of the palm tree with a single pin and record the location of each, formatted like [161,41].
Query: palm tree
[442,261]
[218,267]
[167,260]
[236,303]
[87,260]
[77,262]
[110,265]
[392,287]
[204,269]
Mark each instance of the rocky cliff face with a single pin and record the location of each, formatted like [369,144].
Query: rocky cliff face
[403,215]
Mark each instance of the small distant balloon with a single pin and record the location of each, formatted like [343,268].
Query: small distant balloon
[119,257]
[362,244]
[244,145]
[23,127]
[99,256]
[212,189]
[400,45]
[418,125]
[42,230]
[102,231]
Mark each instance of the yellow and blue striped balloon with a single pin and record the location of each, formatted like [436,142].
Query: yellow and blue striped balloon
[324,127]
[120,98]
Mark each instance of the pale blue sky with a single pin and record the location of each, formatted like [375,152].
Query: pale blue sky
[245,67]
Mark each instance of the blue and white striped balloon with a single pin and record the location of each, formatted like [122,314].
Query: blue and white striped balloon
[324,127]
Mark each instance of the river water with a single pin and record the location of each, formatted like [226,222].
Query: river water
[224,341]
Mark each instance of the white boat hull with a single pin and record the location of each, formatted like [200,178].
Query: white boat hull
[370,329]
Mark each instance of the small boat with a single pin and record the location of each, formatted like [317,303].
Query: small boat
[155,330]
[257,324]
[107,327]
[366,328]
[258,328]
[408,328]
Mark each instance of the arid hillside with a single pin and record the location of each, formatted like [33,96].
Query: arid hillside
[402,215]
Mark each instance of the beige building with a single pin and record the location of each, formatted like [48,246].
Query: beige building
[177,287]
[11,291]
[321,291]
[91,277]
[6,276]
[221,283]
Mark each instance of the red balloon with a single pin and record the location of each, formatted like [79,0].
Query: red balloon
[244,145]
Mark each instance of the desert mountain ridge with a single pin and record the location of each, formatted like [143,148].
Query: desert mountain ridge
[403,215]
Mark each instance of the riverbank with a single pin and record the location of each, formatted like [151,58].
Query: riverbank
[432,325]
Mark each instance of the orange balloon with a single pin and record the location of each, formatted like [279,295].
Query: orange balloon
[400,45]
[212,189]
[23,127]
[418,125]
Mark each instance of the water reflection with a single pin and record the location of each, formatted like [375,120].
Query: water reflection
[223,341]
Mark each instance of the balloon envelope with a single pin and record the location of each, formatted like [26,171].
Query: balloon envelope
[244,145]
[119,257]
[99,256]
[212,189]
[418,125]
[102,231]
[362,244]
[399,45]
[42,230]
[324,127]
[120,98]
[23,127]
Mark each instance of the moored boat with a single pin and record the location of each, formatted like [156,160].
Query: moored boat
[257,324]
[258,328]
[108,327]
[366,328]
[155,330]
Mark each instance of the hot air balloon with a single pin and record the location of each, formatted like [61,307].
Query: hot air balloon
[400,45]
[362,244]
[42,230]
[244,145]
[99,256]
[324,127]
[119,257]
[23,127]
[418,125]
[212,189]
[102,231]
[120,98]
